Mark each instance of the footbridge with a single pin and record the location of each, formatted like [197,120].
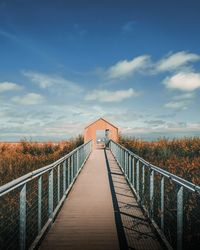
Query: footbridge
[99,198]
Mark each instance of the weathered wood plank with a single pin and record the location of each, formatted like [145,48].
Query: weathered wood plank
[86,220]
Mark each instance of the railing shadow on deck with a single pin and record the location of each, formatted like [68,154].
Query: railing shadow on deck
[171,203]
[137,227]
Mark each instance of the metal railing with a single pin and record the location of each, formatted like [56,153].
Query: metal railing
[29,204]
[171,203]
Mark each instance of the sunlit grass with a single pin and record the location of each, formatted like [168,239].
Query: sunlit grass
[178,156]
[17,159]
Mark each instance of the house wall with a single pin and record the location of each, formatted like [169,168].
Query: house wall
[90,131]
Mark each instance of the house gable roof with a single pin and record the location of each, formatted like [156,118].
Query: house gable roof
[103,120]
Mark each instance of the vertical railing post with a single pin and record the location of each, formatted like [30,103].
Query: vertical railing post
[125,163]
[162,202]
[124,154]
[151,194]
[179,218]
[77,163]
[50,193]
[122,157]
[72,168]
[143,183]
[130,168]
[39,204]
[133,172]
[22,218]
[64,176]
[69,171]
[138,178]
[79,160]
[119,153]
[58,180]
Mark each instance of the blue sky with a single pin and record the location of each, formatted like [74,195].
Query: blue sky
[66,63]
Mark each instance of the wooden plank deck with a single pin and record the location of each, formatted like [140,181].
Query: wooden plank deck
[87,220]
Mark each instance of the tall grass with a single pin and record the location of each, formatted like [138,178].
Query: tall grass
[17,159]
[178,156]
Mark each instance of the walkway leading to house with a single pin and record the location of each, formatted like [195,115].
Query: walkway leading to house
[101,212]
[86,220]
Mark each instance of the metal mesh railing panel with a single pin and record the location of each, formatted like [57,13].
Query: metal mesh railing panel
[44,203]
[171,202]
[29,203]
[9,220]
[170,212]
[31,211]
[191,224]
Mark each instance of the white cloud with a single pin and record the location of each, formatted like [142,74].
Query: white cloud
[29,99]
[185,96]
[47,81]
[110,96]
[182,104]
[172,62]
[184,81]
[175,61]
[9,86]
[126,68]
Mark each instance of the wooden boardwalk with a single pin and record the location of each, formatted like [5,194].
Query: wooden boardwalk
[100,212]
[86,220]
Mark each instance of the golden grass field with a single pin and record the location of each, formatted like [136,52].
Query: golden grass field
[178,156]
[19,158]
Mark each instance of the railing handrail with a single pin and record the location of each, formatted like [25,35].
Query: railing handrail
[187,184]
[33,174]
